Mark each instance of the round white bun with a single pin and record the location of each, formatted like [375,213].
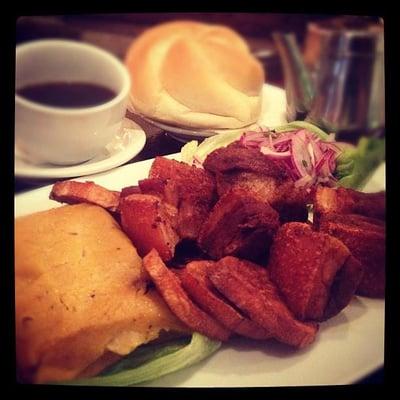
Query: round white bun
[195,75]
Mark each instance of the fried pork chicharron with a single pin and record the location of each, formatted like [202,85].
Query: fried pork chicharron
[194,191]
[149,223]
[249,169]
[348,201]
[365,237]
[165,189]
[239,224]
[72,192]
[315,272]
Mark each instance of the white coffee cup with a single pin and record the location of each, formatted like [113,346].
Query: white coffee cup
[67,136]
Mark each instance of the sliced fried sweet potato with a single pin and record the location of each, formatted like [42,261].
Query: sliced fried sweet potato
[169,286]
[147,222]
[249,287]
[194,279]
[72,192]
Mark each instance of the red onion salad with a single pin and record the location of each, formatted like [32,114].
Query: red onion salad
[309,160]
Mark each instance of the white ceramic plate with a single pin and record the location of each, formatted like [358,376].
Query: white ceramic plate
[273,113]
[348,347]
[126,145]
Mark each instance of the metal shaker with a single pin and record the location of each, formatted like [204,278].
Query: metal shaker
[339,85]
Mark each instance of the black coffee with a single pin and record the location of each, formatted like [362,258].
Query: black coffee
[67,94]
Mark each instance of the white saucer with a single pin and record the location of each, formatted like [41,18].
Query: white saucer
[273,113]
[126,145]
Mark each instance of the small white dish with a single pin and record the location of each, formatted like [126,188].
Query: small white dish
[273,113]
[125,145]
[67,135]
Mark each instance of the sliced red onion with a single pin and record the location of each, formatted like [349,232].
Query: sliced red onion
[307,159]
[252,139]
[283,147]
[321,162]
[306,180]
[300,156]
[284,137]
[268,152]
[197,162]
[287,162]
[311,152]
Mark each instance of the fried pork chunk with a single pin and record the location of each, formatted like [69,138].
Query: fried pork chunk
[194,279]
[249,287]
[365,237]
[127,190]
[194,189]
[166,189]
[238,166]
[72,192]
[239,224]
[148,222]
[348,201]
[315,272]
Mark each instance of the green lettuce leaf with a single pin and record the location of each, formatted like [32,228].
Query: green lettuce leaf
[200,151]
[302,125]
[152,361]
[355,166]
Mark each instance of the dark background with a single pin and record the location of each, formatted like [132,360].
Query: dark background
[115,32]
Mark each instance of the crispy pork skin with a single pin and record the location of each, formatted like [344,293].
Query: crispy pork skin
[147,222]
[166,189]
[127,190]
[249,287]
[348,201]
[72,192]
[342,288]
[195,280]
[239,224]
[195,191]
[167,192]
[249,169]
[365,237]
[169,286]
[313,272]
[237,157]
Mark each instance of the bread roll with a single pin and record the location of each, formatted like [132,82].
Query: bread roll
[195,75]
[80,295]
